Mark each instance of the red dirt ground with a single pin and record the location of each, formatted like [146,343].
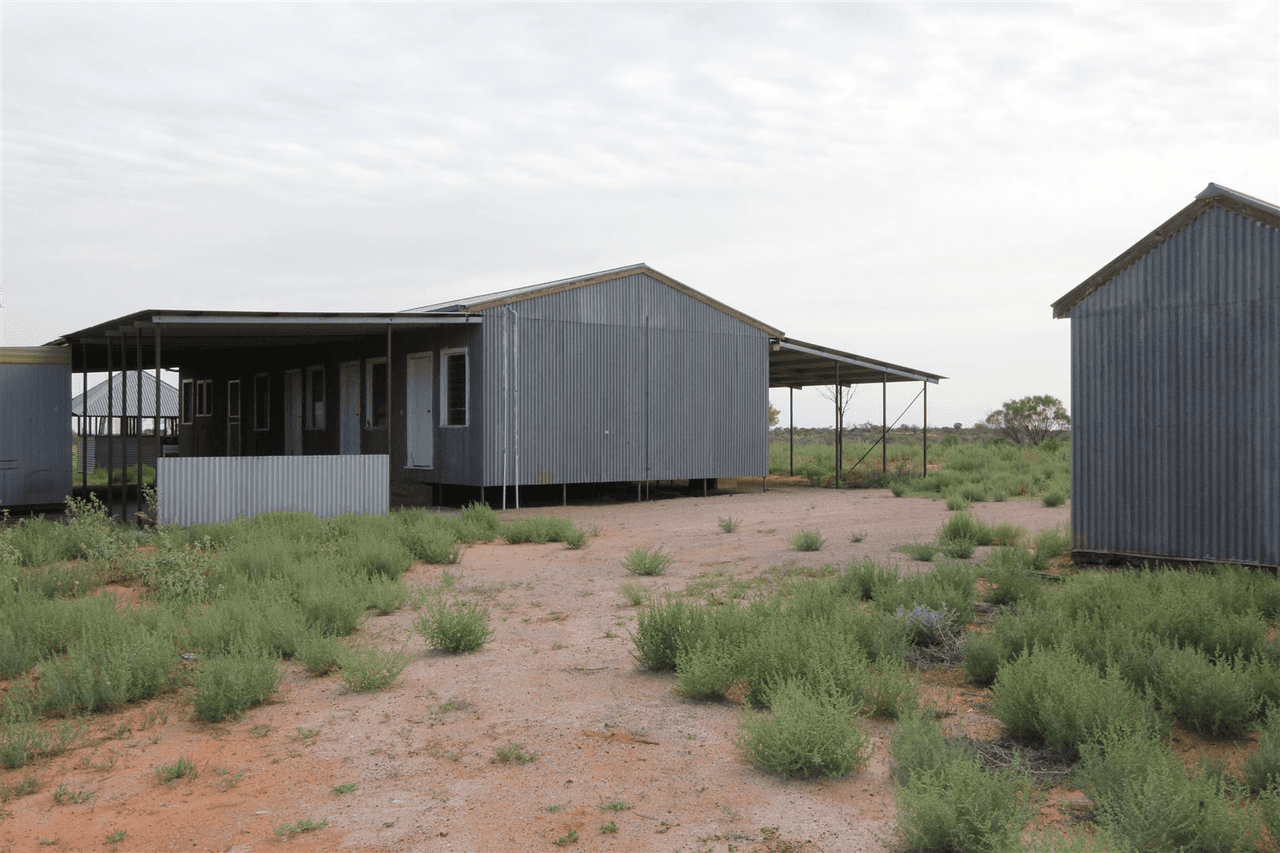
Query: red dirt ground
[557,678]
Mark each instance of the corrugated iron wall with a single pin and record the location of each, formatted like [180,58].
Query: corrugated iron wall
[626,380]
[208,489]
[35,425]
[1176,398]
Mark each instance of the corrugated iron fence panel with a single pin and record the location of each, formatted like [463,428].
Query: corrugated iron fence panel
[1176,391]
[35,425]
[206,489]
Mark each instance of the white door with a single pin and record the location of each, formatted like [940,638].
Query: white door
[349,408]
[293,413]
[420,418]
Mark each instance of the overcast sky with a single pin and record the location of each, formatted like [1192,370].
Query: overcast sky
[911,182]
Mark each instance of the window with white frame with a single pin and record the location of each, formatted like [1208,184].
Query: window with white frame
[453,387]
[375,393]
[204,398]
[315,396]
[188,400]
[261,402]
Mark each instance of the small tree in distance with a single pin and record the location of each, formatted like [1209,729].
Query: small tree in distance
[1030,420]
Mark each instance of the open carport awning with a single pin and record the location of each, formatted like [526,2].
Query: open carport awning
[798,364]
[175,333]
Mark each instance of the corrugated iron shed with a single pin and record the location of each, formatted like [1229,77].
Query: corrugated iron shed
[122,390]
[1175,366]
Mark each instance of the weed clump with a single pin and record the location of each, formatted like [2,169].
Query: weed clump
[645,561]
[806,539]
[455,627]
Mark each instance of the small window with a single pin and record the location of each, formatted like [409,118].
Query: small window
[261,402]
[453,387]
[375,393]
[233,400]
[204,398]
[188,400]
[315,397]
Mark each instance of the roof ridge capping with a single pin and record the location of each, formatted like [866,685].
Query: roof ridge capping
[1214,195]
[498,299]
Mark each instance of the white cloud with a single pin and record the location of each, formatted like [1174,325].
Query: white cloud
[915,182]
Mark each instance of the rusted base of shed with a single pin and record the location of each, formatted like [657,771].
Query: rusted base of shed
[1138,560]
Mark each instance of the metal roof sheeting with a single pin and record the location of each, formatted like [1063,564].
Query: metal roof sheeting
[123,389]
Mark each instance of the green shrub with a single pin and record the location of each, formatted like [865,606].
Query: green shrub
[634,593]
[430,537]
[1011,572]
[318,654]
[454,627]
[894,691]
[1055,497]
[1216,700]
[956,501]
[375,556]
[918,746]
[862,579]
[178,575]
[23,739]
[963,526]
[806,539]
[958,806]
[948,588]
[1262,768]
[982,659]
[728,525]
[921,551]
[385,596]
[368,668]
[644,561]
[1141,792]
[477,522]
[542,529]
[227,684]
[958,549]
[807,734]
[110,663]
[1049,544]
[1050,695]
[662,629]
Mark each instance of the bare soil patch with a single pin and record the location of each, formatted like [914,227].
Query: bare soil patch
[558,678]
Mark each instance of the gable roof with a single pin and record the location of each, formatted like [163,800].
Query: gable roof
[484,302]
[124,397]
[1264,213]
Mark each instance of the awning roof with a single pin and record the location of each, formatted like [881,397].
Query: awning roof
[798,364]
[187,331]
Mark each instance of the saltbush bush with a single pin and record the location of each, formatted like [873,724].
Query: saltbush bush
[1142,793]
[454,626]
[958,806]
[368,668]
[807,733]
[227,684]
[1051,696]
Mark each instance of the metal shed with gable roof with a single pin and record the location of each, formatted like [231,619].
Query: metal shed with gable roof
[1175,385]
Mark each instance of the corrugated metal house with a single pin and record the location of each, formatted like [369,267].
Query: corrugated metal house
[625,376]
[35,426]
[1175,386]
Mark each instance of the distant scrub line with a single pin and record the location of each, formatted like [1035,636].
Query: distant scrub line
[960,472]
